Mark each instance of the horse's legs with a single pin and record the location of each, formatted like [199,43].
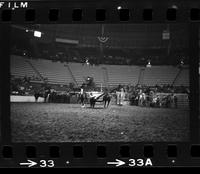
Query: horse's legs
[45,97]
[104,103]
[108,102]
[94,102]
[36,98]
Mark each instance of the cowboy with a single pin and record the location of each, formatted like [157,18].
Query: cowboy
[82,97]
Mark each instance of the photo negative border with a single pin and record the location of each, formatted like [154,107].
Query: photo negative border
[98,154]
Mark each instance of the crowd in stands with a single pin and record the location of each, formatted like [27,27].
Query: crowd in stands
[21,86]
[28,86]
[24,86]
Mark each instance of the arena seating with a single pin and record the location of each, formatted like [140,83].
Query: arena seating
[122,74]
[81,71]
[183,101]
[62,73]
[21,68]
[55,72]
[159,75]
[183,78]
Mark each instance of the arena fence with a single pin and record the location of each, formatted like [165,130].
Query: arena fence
[19,98]
[182,99]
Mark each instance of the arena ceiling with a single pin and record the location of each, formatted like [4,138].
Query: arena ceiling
[119,35]
[140,39]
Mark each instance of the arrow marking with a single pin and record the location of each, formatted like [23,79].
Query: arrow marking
[117,163]
[29,163]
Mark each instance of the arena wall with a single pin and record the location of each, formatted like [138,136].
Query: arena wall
[182,99]
[18,98]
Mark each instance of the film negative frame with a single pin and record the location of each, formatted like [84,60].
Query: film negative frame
[49,155]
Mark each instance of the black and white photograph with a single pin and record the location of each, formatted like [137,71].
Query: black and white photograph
[99,83]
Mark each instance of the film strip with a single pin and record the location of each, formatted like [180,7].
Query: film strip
[60,61]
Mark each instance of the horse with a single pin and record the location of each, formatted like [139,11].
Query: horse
[37,95]
[106,100]
[92,102]
[44,94]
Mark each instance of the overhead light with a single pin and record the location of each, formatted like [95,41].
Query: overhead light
[174,6]
[37,34]
[119,7]
[182,62]
[148,64]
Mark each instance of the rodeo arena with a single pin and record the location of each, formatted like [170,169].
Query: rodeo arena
[99,83]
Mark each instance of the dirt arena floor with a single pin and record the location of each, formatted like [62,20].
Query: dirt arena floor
[47,122]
